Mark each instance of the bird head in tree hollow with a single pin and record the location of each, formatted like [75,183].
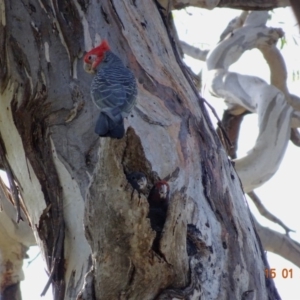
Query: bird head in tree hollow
[159,195]
[138,181]
[113,90]
[158,206]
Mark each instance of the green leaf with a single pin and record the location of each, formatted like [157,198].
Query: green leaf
[283,42]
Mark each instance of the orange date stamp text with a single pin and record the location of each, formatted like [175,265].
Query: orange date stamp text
[283,273]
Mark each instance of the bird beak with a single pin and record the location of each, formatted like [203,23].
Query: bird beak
[88,68]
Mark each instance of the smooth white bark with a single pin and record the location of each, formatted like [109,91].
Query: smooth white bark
[255,95]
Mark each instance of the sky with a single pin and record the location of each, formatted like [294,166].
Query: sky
[280,194]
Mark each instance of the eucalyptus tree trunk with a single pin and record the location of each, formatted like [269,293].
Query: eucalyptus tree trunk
[71,184]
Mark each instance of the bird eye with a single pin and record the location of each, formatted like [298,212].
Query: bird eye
[90,57]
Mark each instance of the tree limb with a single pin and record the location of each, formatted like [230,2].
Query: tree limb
[264,212]
[278,72]
[232,123]
[193,52]
[235,23]
[279,243]
[255,95]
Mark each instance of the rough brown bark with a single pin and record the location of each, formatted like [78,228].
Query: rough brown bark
[208,244]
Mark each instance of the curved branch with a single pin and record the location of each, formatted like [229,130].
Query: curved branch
[246,38]
[235,23]
[279,243]
[278,73]
[264,212]
[199,54]
[254,94]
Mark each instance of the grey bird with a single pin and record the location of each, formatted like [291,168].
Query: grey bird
[113,90]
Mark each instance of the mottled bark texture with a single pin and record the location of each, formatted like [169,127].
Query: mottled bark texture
[65,173]
[48,155]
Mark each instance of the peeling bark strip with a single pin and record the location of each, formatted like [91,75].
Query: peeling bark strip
[37,149]
[36,103]
[30,111]
[253,94]
[11,179]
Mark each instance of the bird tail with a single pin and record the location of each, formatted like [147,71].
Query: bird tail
[110,123]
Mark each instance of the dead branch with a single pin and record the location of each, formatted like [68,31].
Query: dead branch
[193,51]
[264,212]
[279,243]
